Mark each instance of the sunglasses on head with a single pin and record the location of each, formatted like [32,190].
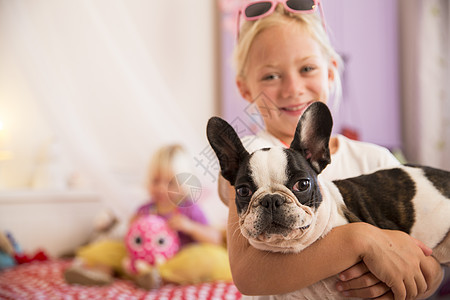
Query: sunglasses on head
[259,9]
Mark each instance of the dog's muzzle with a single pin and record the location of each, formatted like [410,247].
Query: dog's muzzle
[275,217]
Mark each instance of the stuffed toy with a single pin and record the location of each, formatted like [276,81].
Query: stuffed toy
[155,257]
[11,254]
[149,242]
[6,251]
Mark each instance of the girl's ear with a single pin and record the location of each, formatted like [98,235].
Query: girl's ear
[243,89]
[332,69]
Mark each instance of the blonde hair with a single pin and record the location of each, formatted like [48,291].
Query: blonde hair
[310,22]
[168,161]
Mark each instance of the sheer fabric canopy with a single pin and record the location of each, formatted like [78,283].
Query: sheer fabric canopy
[102,89]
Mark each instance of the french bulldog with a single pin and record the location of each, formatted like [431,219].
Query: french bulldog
[284,206]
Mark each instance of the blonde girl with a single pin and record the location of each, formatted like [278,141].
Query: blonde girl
[175,205]
[286,54]
[201,257]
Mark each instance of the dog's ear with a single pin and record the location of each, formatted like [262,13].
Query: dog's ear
[312,135]
[227,145]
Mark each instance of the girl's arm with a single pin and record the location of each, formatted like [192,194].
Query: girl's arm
[392,256]
[199,232]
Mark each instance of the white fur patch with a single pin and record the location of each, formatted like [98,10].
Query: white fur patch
[269,167]
[432,210]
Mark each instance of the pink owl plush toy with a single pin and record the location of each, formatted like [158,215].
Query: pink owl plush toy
[150,241]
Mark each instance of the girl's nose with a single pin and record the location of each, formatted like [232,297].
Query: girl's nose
[161,187]
[292,86]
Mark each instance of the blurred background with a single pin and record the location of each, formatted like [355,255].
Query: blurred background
[89,89]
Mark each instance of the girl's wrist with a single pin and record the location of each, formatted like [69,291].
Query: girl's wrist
[360,234]
[189,227]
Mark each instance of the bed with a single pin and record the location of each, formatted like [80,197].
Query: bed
[22,213]
[44,280]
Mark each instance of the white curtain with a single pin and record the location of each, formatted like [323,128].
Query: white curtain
[425,27]
[103,90]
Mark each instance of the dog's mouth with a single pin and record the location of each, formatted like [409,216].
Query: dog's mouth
[283,231]
[282,226]
[285,224]
[304,227]
[279,237]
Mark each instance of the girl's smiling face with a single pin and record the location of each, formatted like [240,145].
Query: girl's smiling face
[285,72]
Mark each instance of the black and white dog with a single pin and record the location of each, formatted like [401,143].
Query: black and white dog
[284,206]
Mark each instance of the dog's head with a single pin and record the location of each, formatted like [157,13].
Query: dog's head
[277,194]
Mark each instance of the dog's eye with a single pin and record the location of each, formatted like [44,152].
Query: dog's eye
[301,185]
[244,191]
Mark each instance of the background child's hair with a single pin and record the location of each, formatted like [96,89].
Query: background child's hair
[168,161]
[311,22]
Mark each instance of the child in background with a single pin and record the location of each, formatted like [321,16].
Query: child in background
[182,213]
[284,52]
[96,263]
[170,201]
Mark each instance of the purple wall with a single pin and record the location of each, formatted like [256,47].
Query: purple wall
[366,34]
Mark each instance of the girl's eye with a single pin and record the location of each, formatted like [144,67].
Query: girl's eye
[307,69]
[244,192]
[301,185]
[270,77]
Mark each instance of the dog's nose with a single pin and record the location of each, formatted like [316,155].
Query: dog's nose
[272,202]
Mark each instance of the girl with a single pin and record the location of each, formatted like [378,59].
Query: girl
[200,262]
[97,262]
[174,205]
[285,53]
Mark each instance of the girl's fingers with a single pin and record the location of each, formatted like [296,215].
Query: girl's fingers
[421,284]
[387,296]
[365,281]
[372,292]
[427,251]
[353,272]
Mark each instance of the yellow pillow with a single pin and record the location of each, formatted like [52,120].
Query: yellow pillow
[105,252]
[197,263]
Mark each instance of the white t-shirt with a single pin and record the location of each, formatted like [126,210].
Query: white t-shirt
[352,158]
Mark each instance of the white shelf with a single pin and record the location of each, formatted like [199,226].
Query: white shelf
[46,196]
[56,221]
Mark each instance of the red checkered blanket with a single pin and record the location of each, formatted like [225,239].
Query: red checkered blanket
[44,280]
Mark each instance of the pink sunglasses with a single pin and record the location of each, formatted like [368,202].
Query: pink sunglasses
[259,9]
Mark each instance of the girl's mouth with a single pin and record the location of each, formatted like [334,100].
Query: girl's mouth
[295,110]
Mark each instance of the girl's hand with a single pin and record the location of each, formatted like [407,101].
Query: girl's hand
[425,249]
[197,231]
[357,281]
[395,259]
[179,222]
